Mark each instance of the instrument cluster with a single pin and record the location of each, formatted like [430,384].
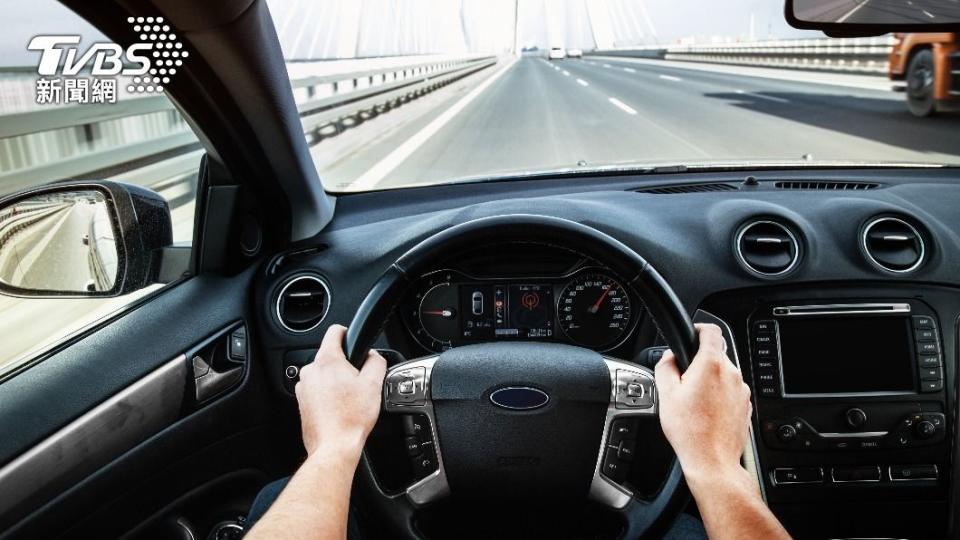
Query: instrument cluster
[589,307]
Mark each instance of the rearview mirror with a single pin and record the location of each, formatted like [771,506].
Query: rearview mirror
[81,239]
[874,16]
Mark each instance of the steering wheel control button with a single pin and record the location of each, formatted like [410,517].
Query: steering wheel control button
[613,467]
[292,372]
[798,475]
[626,450]
[620,430]
[634,390]
[856,418]
[906,473]
[413,445]
[407,386]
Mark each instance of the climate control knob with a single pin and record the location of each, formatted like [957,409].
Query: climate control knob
[856,418]
[786,433]
[925,429]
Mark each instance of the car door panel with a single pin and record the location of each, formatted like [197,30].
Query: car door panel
[127,390]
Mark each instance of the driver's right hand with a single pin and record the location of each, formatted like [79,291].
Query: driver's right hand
[705,412]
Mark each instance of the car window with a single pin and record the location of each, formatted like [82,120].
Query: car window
[520,88]
[72,127]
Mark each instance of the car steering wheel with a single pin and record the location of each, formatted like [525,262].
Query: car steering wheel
[574,398]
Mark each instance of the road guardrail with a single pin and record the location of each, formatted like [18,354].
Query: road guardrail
[850,55]
[347,94]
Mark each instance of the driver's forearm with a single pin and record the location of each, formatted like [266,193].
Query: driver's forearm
[315,502]
[732,508]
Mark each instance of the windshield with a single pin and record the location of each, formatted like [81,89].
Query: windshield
[398,93]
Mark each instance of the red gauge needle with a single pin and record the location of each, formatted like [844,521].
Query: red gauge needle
[596,306]
[439,312]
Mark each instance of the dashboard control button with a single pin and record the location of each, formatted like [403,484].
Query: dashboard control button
[622,429]
[929,361]
[765,326]
[937,419]
[798,475]
[766,364]
[866,473]
[768,391]
[765,338]
[767,376]
[292,372]
[765,351]
[925,334]
[902,473]
[856,418]
[931,374]
[786,433]
[923,322]
[931,386]
[928,347]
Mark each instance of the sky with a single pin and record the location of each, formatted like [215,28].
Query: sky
[314,28]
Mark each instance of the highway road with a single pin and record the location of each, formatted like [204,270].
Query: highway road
[879,11]
[533,114]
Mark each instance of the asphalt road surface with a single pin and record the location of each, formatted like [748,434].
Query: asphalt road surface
[879,11]
[537,114]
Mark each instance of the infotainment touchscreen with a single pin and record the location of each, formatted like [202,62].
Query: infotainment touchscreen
[846,355]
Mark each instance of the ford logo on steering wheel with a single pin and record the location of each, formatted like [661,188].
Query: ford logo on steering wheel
[520,398]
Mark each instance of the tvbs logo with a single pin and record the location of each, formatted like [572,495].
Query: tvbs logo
[148,64]
[107,58]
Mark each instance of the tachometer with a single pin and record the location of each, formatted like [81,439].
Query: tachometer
[438,315]
[594,311]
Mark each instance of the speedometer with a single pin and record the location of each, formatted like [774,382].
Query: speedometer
[594,311]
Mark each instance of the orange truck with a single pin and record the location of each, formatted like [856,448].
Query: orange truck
[929,66]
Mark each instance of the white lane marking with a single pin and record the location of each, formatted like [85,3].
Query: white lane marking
[761,96]
[852,11]
[385,166]
[670,78]
[622,106]
[582,82]
[630,70]
[606,65]
[567,73]
[928,14]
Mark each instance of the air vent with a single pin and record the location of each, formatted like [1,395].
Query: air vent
[838,186]
[303,303]
[687,188]
[893,245]
[767,248]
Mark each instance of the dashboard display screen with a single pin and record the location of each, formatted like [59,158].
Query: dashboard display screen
[506,311]
[847,355]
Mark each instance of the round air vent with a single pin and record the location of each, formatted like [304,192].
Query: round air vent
[303,303]
[767,248]
[893,245]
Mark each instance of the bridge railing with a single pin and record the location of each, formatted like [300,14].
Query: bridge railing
[30,140]
[850,55]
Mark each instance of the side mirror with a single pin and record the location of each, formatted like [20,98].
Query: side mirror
[82,239]
[873,17]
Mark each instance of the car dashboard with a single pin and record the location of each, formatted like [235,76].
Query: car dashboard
[839,290]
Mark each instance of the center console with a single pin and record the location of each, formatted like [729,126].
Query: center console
[849,395]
